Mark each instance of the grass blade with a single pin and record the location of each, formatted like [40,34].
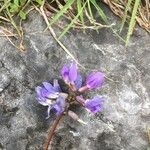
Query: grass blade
[62,11]
[125,14]
[132,20]
[6,4]
[72,22]
[100,11]
[90,10]
[79,7]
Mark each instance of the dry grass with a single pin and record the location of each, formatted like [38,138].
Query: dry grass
[142,16]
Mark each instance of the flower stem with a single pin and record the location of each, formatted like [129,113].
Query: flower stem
[52,131]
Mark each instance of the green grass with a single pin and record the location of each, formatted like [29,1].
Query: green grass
[79,14]
[132,20]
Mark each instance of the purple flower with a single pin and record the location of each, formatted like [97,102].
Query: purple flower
[58,106]
[69,74]
[95,80]
[78,81]
[94,105]
[47,92]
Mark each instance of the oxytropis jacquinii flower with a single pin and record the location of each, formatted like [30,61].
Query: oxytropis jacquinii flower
[59,100]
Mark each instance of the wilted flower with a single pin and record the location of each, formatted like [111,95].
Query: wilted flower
[94,105]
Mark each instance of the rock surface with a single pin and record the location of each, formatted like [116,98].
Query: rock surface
[121,126]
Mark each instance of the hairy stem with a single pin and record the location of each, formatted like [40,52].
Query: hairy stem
[52,131]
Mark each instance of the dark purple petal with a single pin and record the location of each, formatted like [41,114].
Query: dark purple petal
[73,72]
[78,81]
[57,109]
[95,80]
[65,73]
[94,105]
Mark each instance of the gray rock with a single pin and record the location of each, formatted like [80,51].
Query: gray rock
[121,126]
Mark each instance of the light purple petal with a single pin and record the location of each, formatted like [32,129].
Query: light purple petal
[65,72]
[95,101]
[73,72]
[95,80]
[61,102]
[40,92]
[56,86]
[59,105]
[45,93]
[78,81]
[48,87]
[94,105]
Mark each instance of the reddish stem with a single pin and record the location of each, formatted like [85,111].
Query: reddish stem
[52,131]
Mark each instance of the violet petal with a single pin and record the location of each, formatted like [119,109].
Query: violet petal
[48,87]
[95,80]
[94,105]
[56,86]
[65,73]
[73,72]
[59,105]
[78,81]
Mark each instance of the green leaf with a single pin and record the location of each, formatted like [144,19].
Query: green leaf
[22,15]
[13,8]
[132,20]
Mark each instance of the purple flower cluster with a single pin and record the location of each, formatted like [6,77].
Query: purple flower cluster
[53,97]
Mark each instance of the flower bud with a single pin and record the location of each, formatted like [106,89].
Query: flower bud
[95,80]
[75,117]
[94,105]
